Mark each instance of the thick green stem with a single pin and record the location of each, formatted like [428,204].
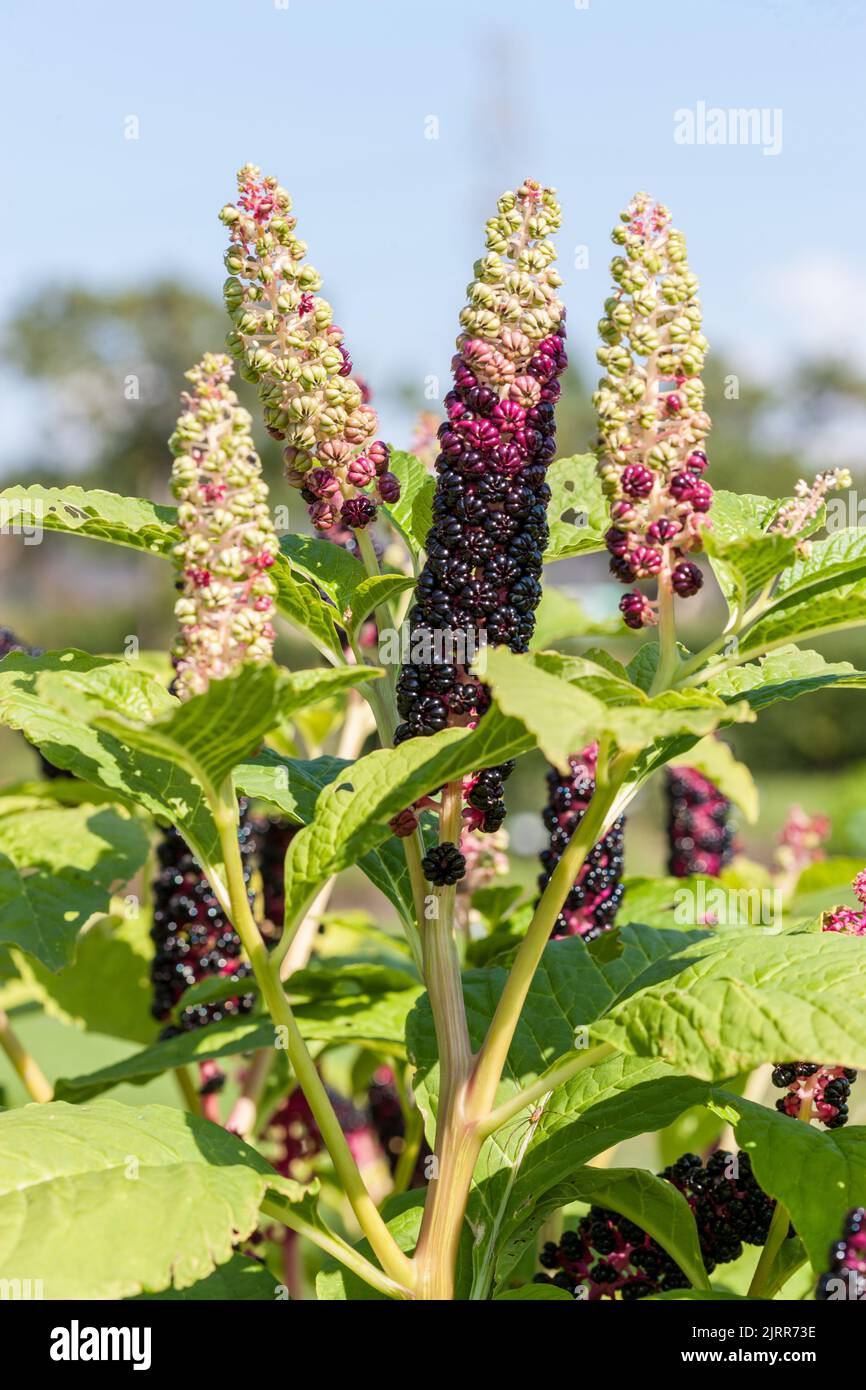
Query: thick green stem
[491,1059]
[442,966]
[392,1259]
[458,1145]
[668,655]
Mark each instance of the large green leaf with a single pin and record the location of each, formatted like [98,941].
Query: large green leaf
[106,988]
[366,1015]
[142,525]
[839,557]
[333,568]
[103,516]
[750,997]
[68,739]
[58,867]
[549,695]
[819,1175]
[107,1201]
[353,811]
[578,512]
[783,675]
[209,734]
[807,613]
[293,785]
[240,1280]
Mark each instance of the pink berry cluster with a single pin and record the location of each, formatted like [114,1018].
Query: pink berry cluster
[285,336]
[592,902]
[814,1091]
[650,405]
[700,829]
[229,542]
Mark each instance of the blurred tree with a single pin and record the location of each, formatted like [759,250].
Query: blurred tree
[111,364]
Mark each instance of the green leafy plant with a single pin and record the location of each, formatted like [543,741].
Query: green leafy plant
[418,1104]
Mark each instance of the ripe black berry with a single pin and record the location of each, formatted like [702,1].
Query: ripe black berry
[443,865]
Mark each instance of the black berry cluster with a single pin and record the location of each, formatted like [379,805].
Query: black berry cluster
[192,936]
[814,1092]
[594,898]
[443,865]
[845,1280]
[700,830]
[609,1256]
[480,583]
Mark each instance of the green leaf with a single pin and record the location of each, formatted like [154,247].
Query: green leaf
[98,515]
[293,785]
[807,614]
[333,568]
[353,811]
[564,716]
[412,514]
[840,557]
[107,988]
[371,1018]
[107,1201]
[547,1293]
[783,675]
[559,617]
[378,589]
[33,698]
[819,1175]
[716,761]
[58,867]
[578,512]
[209,734]
[240,1280]
[747,998]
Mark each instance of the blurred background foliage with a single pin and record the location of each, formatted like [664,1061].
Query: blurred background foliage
[105,368]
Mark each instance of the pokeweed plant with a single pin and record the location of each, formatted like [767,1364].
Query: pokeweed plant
[503,1049]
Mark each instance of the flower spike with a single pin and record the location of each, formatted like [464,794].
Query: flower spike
[229,542]
[650,405]
[286,339]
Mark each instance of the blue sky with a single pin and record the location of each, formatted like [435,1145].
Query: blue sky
[334,97]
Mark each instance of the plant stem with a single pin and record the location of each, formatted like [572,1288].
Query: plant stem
[775,1240]
[284,1212]
[34,1081]
[442,967]
[188,1090]
[491,1059]
[266,972]
[668,655]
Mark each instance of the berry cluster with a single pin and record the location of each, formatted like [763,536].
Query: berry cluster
[845,1280]
[609,1255]
[285,336]
[593,901]
[298,1140]
[229,542]
[815,1091]
[480,583]
[192,936]
[650,406]
[700,832]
